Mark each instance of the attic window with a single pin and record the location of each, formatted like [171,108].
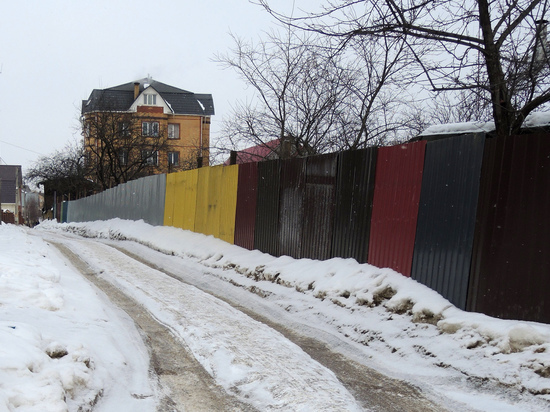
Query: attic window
[150,99]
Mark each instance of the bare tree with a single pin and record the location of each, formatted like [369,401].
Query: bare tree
[121,147]
[494,48]
[377,109]
[64,172]
[297,85]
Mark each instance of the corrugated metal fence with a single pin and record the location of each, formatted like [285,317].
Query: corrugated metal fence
[510,273]
[395,206]
[446,216]
[138,199]
[467,216]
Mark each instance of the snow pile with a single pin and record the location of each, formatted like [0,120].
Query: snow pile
[50,334]
[35,368]
[396,321]
[537,119]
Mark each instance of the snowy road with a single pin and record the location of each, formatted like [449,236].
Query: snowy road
[256,366]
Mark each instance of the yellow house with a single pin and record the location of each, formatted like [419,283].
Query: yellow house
[156,112]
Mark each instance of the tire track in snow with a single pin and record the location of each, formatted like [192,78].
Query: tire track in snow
[184,384]
[370,388]
[246,357]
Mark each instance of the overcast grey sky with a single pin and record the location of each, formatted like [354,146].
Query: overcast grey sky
[54,52]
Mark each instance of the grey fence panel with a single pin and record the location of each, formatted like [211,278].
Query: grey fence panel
[139,199]
[154,192]
[446,216]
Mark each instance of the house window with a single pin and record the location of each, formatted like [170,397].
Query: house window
[173,131]
[124,128]
[123,157]
[150,129]
[150,157]
[173,158]
[150,99]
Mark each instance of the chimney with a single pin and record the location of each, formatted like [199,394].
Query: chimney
[136,90]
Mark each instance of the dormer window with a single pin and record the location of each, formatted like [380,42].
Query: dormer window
[150,99]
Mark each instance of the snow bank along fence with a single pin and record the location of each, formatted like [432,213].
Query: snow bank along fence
[468,216]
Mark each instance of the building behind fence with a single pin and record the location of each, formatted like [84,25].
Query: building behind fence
[468,216]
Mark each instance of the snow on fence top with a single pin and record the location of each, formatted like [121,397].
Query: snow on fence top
[533,120]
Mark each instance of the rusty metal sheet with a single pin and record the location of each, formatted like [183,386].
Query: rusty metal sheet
[291,209]
[395,206]
[511,262]
[319,206]
[267,207]
[245,218]
[354,193]
[447,213]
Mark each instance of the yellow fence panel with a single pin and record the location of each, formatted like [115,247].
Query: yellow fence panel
[228,193]
[201,214]
[169,200]
[214,201]
[203,200]
[186,199]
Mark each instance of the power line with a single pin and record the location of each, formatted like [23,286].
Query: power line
[22,148]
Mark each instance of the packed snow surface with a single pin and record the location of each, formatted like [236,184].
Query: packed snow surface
[375,316]
[63,347]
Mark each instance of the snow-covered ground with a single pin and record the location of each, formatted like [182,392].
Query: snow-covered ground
[63,346]
[375,316]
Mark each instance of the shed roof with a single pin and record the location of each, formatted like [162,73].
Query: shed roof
[256,153]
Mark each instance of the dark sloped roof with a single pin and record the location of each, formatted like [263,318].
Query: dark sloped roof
[10,177]
[121,97]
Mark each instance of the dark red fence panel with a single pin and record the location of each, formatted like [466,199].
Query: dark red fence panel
[395,206]
[319,206]
[511,261]
[8,217]
[447,214]
[291,207]
[354,193]
[267,207]
[245,216]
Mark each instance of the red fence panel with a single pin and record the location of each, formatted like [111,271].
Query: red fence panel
[395,206]
[245,217]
